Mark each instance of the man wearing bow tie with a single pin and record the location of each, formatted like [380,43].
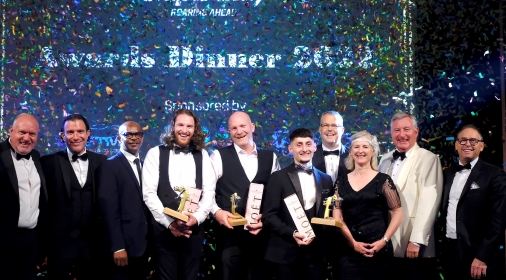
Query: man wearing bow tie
[474,211]
[292,257]
[418,177]
[74,231]
[180,161]
[122,207]
[23,199]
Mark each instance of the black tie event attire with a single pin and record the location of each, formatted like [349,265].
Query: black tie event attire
[76,235]
[125,214]
[23,204]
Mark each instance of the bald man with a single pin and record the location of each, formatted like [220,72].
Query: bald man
[23,199]
[123,210]
[236,167]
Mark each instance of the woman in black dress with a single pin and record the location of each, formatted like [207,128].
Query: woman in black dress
[366,198]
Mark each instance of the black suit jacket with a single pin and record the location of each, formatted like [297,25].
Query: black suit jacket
[57,169]
[481,211]
[9,195]
[122,207]
[281,247]
[319,160]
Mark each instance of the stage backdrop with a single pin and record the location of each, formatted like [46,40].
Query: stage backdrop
[283,62]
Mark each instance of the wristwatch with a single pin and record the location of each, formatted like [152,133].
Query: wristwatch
[386,239]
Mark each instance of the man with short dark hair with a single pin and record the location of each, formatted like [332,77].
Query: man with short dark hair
[122,206]
[75,235]
[180,162]
[474,211]
[293,257]
[23,199]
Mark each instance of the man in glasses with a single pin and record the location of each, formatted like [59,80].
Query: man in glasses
[474,208]
[123,210]
[418,177]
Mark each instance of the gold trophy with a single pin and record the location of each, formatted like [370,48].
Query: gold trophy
[184,195]
[326,221]
[238,220]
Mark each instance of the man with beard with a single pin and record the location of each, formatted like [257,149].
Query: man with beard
[72,180]
[23,199]
[235,168]
[180,161]
[123,210]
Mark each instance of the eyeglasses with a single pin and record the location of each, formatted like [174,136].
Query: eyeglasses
[331,126]
[472,141]
[132,134]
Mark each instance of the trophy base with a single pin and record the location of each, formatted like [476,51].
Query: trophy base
[327,222]
[237,221]
[174,214]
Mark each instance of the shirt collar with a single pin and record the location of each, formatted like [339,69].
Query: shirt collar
[408,152]
[327,149]
[473,163]
[69,153]
[129,156]
[307,165]
[241,151]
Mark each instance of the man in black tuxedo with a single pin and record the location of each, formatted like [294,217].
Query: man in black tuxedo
[474,209]
[236,167]
[294,258]
[23,199]
[74,231]
[122,207]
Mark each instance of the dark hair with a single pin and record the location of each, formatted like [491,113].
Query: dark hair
[75,117]
[300,132]
[471,127]
[197,141]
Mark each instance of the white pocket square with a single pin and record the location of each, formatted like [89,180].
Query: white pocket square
[474,186]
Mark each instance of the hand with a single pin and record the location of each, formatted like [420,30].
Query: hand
[191,220]
[377,246]
[363,248]
[121,258]
[299,237]
[412,251]
[257,227]
[177,229]
[478,269]
[222,217]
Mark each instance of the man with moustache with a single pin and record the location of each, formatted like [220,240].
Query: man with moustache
[23,199]
[235,168]
[180,161]
[122,207]
[417,175]
[474,211]
[292,257]
[74,226]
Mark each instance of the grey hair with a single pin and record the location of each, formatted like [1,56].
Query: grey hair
[369,138]
[338,116]
[402,115]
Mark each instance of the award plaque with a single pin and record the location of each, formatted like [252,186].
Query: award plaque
[238,220]
[299,217]
[254,203]
[326,221]
[189,203]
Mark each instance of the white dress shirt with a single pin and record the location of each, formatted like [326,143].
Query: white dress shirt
[396,166]
[249,163]
[181,174]
[80,167]
[459,181]
[307,184]
[29,191]
[131,159]
[332,162]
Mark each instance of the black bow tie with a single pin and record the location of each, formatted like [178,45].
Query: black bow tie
[83,157]
[462,167]
[302,168]
[326,153]
[398,154]
[185,150]
[20,156]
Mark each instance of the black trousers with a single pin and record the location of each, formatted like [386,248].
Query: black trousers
[308,266]
[136,269]
[19,256]
[414,269]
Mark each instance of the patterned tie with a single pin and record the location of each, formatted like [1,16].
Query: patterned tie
[302,168]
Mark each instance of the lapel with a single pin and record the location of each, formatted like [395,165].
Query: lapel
[319,188]
[450,176]
[294,177]
[128,167]
[475,172]
[38,166]
[386,163]
[65,169]
[319,159]
[406,167]
[8,163]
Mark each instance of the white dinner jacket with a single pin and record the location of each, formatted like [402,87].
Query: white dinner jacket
[420,186]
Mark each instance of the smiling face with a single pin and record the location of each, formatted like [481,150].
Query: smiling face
[184,127]
[241,130]
[404,134]
[468,152]
[129,142]
[23,134]
[331,130]
[75,136]
[302,149]
[362,153]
